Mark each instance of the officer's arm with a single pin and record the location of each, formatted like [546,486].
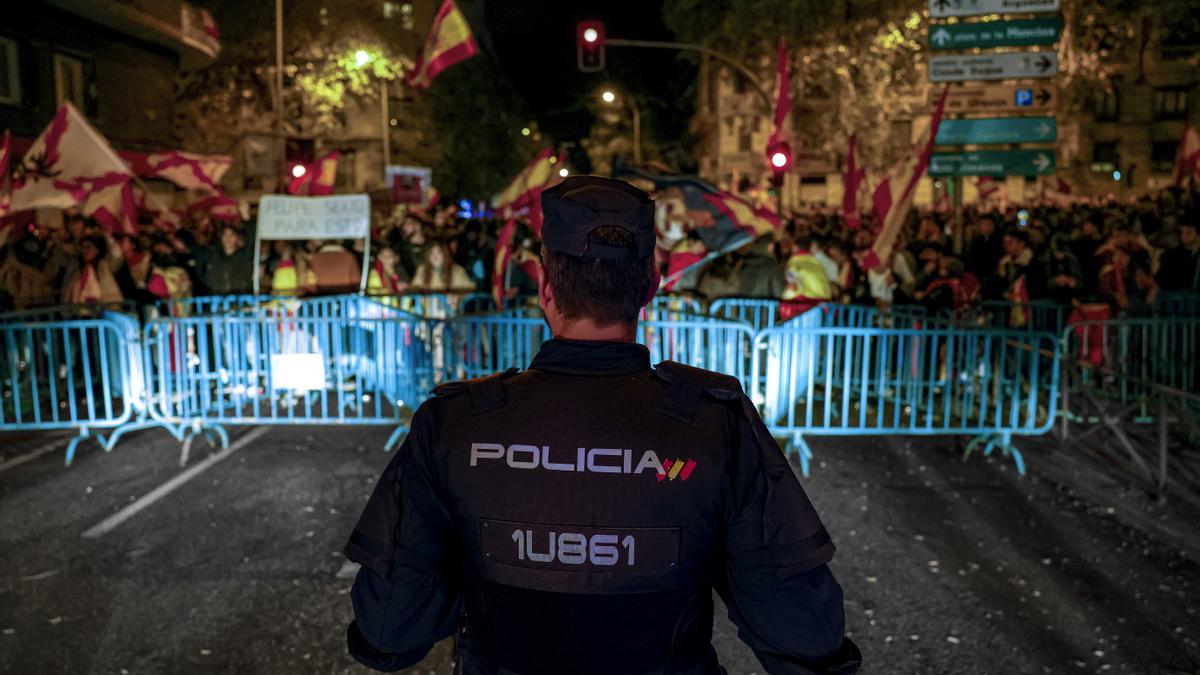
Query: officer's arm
[778,587]
[404,601]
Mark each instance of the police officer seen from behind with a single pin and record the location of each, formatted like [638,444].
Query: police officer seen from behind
[576,517]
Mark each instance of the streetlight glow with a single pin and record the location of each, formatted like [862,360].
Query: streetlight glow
[779,159]
[608,96]
[361,58]
[298,171]
[525,131]
[590,35]
[563,172]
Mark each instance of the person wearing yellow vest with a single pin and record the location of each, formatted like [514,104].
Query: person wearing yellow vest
[291,276]
[807,284]
[385,276]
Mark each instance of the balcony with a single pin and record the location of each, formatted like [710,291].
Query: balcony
[178,26]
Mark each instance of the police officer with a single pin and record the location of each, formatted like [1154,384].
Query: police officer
[576,517]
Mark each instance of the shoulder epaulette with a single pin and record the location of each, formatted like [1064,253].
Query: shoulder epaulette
[487,393]
[686,385]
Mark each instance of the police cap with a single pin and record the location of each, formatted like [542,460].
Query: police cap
[575,207]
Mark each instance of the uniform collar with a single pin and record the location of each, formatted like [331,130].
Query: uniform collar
[587,357]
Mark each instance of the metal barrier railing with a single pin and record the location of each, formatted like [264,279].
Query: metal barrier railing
[80,374]
[215,371]
[861,381]
[1127,356]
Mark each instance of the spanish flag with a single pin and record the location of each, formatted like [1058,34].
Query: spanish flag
[525,191]
[500,267]
[318,177]
[449,42]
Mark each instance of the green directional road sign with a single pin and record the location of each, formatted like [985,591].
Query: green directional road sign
[1015,33]
[997,130]
[993,163]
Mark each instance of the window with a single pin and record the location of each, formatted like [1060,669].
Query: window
[399,10]
[1162,156]
[10,73]
[1104,157]
[68,81]
[1107,105]
[1170,103]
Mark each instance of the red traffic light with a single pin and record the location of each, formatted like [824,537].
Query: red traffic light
[589,41]
[779,154]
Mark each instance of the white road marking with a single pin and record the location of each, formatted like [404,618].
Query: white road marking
[112,522]
[57,444]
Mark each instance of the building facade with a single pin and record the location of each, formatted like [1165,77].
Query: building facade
[116,61]
[1120,139]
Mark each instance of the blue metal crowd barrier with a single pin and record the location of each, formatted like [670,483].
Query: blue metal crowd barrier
[209,372]
[1130,356]
[857,381]
[83,374]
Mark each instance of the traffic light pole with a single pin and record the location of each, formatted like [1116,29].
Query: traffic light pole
[686,47]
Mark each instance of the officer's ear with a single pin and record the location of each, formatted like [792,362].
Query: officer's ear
[545,294]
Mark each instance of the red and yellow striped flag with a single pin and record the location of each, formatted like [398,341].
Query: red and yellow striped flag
[449,42]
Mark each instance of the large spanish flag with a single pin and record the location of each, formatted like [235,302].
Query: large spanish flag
[525,191]
[449,42]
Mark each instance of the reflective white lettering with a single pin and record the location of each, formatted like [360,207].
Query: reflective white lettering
[485,451]
[554,466]
[602,452]
[649,461]
[517,463]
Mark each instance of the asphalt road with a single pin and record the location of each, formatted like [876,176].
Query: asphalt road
[948,566]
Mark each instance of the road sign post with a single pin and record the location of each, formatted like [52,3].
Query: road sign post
[1014,33]
[993,163]
[941,9]
[993,131]
[1001,98]
[1016,66]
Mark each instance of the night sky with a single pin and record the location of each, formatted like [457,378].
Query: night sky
[534,41]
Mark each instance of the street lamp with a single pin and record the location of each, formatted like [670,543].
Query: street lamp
[611,98]
[563,172]
[361,58]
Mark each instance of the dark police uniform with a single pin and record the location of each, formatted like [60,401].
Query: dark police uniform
[576,517]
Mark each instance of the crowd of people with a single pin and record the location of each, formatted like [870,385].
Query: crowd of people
[1125,254]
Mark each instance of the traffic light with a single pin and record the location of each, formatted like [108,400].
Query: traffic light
[589,41]
[779,155]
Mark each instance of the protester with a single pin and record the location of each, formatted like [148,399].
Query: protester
[93,280]
[336,269]
[228,268]
[439,274]
[386,277]
[1179,269]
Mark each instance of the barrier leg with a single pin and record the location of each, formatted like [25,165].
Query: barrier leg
[1001,440]
[393,440]
[209,432]
[84,433]
[803,452]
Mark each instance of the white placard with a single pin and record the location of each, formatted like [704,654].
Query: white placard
[338,217]
[298,372]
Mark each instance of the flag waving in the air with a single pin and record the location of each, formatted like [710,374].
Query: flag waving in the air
[71,164]
[852,181]
[1187,161]
[894,196]
[318,177]
[449,42]
[525,191]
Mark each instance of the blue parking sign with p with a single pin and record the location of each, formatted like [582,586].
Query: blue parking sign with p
[1024,98]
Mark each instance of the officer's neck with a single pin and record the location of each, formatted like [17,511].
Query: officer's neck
[586,329]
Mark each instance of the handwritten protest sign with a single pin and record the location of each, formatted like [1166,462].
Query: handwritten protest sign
[338,217]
